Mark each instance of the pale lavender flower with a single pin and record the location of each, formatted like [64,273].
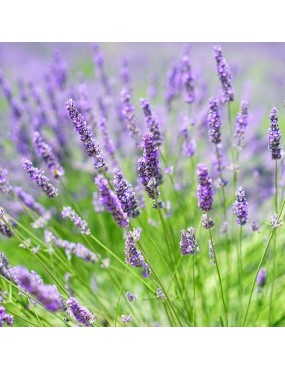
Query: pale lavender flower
[261,278]
[133,256]
[37,175]
[160,294]
[131,297]
[111,202]
[4,317]
[45,151]
[5,229]
[68,212]
[128,113]
[173,84]
[33,284]
[240,207]
[97,204]
[188,80]
[207,222]
[79,313]
[241,125]
[126,319]
[274,135]
[107,141]
[152,122]
[212,253]
[224,75]
[254,226]
[5,266]
[205,191]
[125,73]
[125,194]
[188,243]
[5,186]
[29,201]
[214,121]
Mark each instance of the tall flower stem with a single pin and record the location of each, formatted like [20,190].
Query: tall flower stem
[261,261]
[120,294]
[219,277]
[240,268]
[194,289]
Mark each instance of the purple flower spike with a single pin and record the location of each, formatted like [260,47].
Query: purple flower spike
[128,112]
[37,175]
[33,284]
[46,153]
[125,194]
[149,167]
[4,317]
[5,186]
[240,207]
[205,191]
[80,313]
[274,135]
[241,125]
[188,81]
[214,121]
[111,202]
[80,125]
[261,278]
[78,222]
[224,75]
[152,122]
[188,244]
[29,201]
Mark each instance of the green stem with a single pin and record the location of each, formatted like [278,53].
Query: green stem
[120,293]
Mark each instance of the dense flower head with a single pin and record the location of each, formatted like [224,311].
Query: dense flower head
[70,248]
[207,222]
[131,297]
[261,278]
[188,243]
[111,202]
[29,201]
[188,80]
[240,207]
[255,226]
[5,186]
[128,113]
[81,314]
[205,191]
[152,122]
[5,229]
[37,175]
[160,294]
[274,135]
[241,125]
[126,319]
[125,194]
[81,126]
[173,84]
[149,167]
[4,317]
[33,284]
[45,151]
[214,121]
[224,75]
[5,266]
[133,256]
[68,212]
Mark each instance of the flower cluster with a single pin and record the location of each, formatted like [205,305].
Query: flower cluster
[205,191]
[214,121]
[240,207]
[188,80]
[188,243]
[4,317]
[133,256]
[128,113]
[77,220]
[37,175]
[79,313]
[241,125]
[152,122]
[5,186]
[131,297]
[224,75]
[274,135]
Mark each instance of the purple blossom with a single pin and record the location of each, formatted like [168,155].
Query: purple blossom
[214,121]
[29,201]
[70,248]
[160,294]
[254,226]
[5,186]
[149,168]
[207,222]
[107,141]
[133,256]
[224,75]
[5,266]
[173,84]
[274,135]
[126,319]
[33,284]
[125,194]
[125,73]
[240,207]
[241,125]
[46,153]
[81,126]
[81,314]
[188,244]
[37,175]
[131,297]
[188,80]
[68,212]
[111,202]
[152,122]
[189,145]
[128,113]
[205,191]
[97,204]
[4,317]
[212,253]
[5,229]
[261,278]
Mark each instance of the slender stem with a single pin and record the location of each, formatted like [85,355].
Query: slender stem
[261,261]
[240,268]
[120,293]
[194,289]
[219,276]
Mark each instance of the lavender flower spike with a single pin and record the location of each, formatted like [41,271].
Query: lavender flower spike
[46,153]
[5,186]
[188,81]
[205,191]
[224,75]
[80,313]
[29,201]
[128,112]
[111,202]
[80,125]
[152,122]
[188,244]
[274,135]
[77,220]
[261,278]
[214,122]
[149,168]
[125,194]
[133,256]
[240,207]
[38,176]
[4,317]
[33,284]
[241,125]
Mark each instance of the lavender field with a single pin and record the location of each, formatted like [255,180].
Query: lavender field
[142,184]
